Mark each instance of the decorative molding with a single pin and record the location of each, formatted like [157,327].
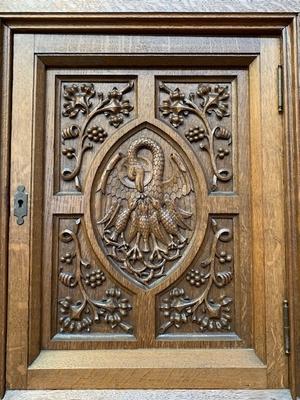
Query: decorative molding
[211,315]
[80,314]
[207,100]
[78,100]
[143,226]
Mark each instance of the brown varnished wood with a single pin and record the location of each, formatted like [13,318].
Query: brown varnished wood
[19,243]
[141,368]
[4,189]
[271,354]
[291,55]
[273,219]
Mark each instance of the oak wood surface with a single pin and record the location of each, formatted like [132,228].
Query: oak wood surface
[291,56]
[5,47]
[258,256]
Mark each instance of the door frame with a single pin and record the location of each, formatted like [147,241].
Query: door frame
[265,20]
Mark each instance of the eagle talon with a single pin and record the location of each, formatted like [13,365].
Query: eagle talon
[157,250]
[134,253]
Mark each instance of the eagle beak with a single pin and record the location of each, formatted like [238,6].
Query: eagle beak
[139,181]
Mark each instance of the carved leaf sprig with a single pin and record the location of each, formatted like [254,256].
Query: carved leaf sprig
[210,99]
[214,99]
[79,315]
[208,313]
[112,106]
[78,99]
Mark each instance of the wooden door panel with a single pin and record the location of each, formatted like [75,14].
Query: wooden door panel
[92,178]
[162,230]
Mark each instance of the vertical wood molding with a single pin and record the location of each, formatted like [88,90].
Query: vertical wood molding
[5,100]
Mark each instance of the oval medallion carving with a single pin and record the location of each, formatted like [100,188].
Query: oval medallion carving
[143,207]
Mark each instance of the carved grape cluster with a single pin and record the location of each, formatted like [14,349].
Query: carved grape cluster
[67,258]
[96,134]
[195,277]
[224,257]
[95,278]
[195,134]
[69,152]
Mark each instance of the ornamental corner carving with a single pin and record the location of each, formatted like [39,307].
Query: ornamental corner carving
[84,99]
[80,314]
[209,312]
[207,100]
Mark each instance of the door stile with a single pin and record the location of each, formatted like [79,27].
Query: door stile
[273,214]
[19,235]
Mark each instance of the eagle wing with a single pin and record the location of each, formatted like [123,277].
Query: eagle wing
[180,183]
[114,191]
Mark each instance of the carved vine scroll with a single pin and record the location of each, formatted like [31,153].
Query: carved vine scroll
[208,99]
[143,226]
[80,314]
[79,99]
[209,314]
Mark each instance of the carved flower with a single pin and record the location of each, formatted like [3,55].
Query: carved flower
[116,108]
[175,107]
[114,308]
[214,99]
[176,307]
[96,134]
[78,97]
[216,316]
[72,318]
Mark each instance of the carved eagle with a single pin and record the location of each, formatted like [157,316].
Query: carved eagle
[142,222]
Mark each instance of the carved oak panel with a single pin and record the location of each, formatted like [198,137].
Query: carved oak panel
[201,112]
[88,299]
[146,240]
[89,112]
[145,207]
[202,300]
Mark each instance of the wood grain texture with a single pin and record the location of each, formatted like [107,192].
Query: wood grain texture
[148,395]
[275,234]
[19,244]
[292,173]
[273,216]
[147,368]
[5,49]
[115,6]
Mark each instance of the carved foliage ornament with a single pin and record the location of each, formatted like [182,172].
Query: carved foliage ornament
[143,226]
[78,99]
[79,315]
[212,315]
[207,100]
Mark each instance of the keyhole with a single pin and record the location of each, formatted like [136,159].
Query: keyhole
[20,202]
